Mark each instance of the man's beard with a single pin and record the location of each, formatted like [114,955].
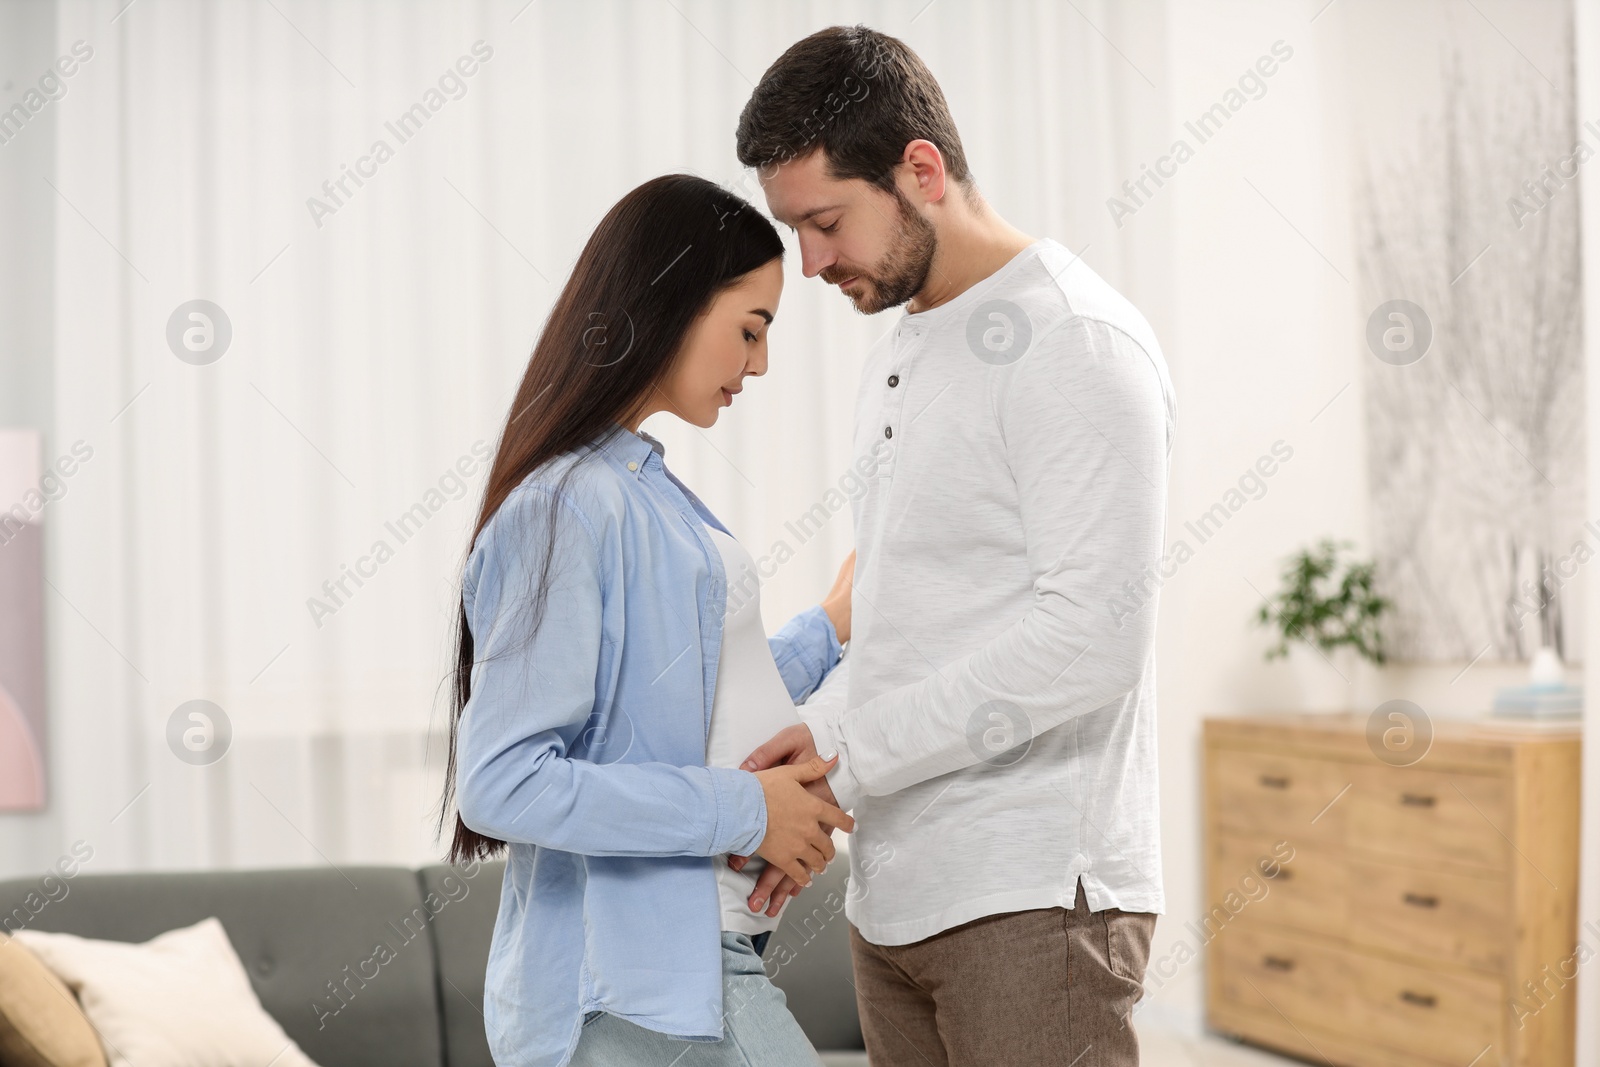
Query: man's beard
[902,271]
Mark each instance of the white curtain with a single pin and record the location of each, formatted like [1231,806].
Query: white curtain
[376,338]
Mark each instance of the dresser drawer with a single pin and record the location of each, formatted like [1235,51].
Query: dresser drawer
[1309,889]
[1267,971]
[1415,906]
[1267,795]
[1442,1016]
[1456,918]
[1422,816]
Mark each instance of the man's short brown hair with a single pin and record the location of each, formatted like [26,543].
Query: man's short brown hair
[860,95]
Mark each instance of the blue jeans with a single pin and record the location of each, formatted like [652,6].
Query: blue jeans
[758,1029]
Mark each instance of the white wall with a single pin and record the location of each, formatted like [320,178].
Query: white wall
[1261,344]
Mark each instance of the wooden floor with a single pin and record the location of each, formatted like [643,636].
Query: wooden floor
[1162,1049]
[1157,1049]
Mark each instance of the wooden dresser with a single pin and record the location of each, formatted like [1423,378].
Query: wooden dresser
[1370,914]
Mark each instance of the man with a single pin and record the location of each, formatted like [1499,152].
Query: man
[994,714]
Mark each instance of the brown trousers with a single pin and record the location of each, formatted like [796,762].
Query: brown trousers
[1024,989]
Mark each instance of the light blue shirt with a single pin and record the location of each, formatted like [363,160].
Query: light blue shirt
[584,749]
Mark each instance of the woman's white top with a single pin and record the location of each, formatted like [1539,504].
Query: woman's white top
[750,705]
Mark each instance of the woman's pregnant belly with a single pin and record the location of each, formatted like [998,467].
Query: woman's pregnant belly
[751,704]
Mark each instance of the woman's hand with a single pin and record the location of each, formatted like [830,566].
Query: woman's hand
[785,889]
[837,602]
[799,824]
[773,887]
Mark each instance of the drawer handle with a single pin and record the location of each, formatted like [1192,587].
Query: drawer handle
[1421,1000]
[1418,900]
[1417,800]
[1277,963]
[1275,781]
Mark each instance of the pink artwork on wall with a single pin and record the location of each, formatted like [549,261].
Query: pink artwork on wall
[22,690]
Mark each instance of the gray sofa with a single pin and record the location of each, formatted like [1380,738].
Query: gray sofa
[309,939]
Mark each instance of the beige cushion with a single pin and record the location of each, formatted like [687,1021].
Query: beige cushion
[41,1024]
[181,999]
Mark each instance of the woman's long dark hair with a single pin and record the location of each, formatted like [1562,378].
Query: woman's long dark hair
[649,270]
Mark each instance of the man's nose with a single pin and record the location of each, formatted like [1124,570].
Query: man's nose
[815,256]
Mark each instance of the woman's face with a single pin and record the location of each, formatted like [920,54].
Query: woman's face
[727,342]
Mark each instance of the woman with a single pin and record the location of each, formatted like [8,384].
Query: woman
[593,660]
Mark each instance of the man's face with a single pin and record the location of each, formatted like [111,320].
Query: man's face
[877,247]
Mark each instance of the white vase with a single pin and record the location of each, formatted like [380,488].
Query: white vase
[1545,671]
[1331,681]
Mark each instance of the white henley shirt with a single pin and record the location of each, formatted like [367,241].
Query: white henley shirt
[994,711]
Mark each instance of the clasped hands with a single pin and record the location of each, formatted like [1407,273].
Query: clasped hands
[801,815]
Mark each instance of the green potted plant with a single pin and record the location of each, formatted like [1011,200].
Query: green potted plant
[1326,603]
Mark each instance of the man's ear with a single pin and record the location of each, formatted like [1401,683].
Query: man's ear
[925,166]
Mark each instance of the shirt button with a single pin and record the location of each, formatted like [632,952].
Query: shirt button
[632,465]
[887,432]
[894,380]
